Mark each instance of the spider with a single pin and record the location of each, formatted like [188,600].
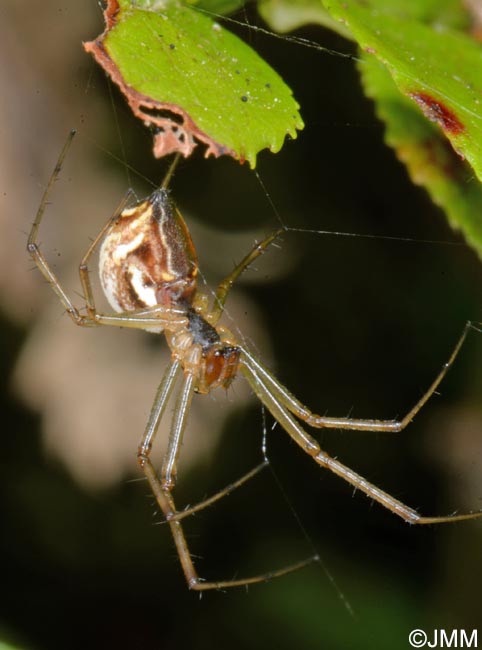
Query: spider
[148,270]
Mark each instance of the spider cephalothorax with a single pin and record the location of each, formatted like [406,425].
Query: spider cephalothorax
[148,269]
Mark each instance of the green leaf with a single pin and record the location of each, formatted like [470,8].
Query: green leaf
[192,80]
[438,13]
[429,62]
[285,15]
[439,68]
[217,6]
[429,158]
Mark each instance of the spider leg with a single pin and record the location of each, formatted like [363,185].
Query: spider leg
[162,486]
[226,491]
[292,404]
[34,249]
[181,411]
[166,502]
[171,374]
[169,467]
[158,487]
[168,476]
[156,318]
[225,285]
[281,413]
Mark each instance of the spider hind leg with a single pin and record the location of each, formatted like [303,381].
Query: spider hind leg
[279,405]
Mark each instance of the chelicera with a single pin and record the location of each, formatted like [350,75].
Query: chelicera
[148,271]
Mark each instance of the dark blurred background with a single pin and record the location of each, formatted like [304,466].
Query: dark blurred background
[352,325]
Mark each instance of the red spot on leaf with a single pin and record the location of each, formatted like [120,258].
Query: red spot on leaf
[437,112]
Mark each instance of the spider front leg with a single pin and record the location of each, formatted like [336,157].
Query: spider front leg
[38,257]
[225,286]
[255,374]
[41,262]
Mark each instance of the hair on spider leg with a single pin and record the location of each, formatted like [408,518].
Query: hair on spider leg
[149,274]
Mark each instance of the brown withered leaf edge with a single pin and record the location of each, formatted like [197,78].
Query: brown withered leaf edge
[174,130]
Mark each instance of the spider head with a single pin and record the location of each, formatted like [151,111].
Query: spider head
[148,258]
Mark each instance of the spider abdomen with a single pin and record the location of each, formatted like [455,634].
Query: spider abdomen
[148,257]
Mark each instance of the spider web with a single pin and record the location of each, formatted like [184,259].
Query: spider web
[397,233]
